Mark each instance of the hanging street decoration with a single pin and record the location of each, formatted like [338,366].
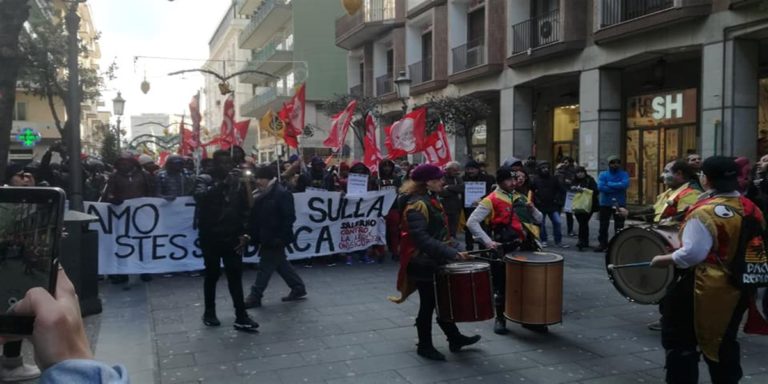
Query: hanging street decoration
[28,137]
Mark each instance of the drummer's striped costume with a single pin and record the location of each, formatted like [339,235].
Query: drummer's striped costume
[673,202]
[703,308]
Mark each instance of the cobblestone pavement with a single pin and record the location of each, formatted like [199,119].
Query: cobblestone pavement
[347,332]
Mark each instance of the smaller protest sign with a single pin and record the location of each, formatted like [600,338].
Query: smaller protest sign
[474,191]
[357,184]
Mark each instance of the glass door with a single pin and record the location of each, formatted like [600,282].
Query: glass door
[650,171]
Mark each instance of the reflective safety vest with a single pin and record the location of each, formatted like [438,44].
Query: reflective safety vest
[674,201]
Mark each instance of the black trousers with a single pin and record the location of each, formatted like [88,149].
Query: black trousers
[426,313]
[214,252]
[499,281]
[678,337]
[569,222]
[469,241]
[605,214]
[583,219]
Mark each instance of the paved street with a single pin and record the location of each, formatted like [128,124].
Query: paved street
[347,332]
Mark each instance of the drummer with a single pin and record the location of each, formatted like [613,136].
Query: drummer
[427,243]
[702,310]
[682,191]
[508,233]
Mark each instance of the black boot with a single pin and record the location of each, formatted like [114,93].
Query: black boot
[210,319]
[429,352]
[457,343]
[500,326]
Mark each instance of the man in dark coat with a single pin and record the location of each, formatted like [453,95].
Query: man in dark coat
[549,196]
[271,229]
[221,216]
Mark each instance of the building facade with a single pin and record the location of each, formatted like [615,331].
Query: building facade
[35,114]
[226,57]
[649,80]
[292,42]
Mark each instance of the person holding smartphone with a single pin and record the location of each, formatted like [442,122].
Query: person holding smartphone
[61,346]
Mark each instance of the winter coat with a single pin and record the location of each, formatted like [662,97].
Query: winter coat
[222,207]
[613,188]
[589,182]
[549,194]
[272,217]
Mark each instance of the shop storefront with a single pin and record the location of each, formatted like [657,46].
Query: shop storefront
[565,135]
[661,127]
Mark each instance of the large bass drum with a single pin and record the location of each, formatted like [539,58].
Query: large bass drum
[639,244]
[463,292]
[534,292]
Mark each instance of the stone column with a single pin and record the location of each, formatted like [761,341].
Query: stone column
[600,130]
[729,97]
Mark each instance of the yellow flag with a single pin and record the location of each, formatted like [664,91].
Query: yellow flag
[271,124]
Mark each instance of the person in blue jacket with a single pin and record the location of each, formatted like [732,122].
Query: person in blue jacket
[612,185]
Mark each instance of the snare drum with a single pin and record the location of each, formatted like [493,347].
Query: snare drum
[640,244]
[463,292]
[534,291]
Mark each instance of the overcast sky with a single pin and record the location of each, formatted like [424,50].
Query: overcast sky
[157,28]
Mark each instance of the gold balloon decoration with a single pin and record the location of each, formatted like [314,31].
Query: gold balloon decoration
[352,6]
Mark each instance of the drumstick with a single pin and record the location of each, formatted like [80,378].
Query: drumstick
[611,267]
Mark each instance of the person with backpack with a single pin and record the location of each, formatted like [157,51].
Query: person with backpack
[702,310]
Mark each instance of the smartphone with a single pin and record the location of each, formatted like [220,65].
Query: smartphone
[30,229]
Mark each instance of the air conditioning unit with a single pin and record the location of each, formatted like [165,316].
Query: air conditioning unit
[547,31]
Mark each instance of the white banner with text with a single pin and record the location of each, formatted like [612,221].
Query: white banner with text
[151,235]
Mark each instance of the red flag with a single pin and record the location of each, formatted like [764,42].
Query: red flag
[372,155]
[407,135]
[340,126]
[227,130]
[436,147]
[292,115]
[162,158]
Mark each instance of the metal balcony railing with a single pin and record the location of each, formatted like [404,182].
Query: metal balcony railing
[536,32]
[261,13]
[378,10]
[469,55]
[384,84]
[619,11]
[279,43]
[421,71]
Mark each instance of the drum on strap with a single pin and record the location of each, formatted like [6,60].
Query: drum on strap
[534,291]
[463,292]
[639,244]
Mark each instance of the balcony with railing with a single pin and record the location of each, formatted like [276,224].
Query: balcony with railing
[375,18]
[275,55]
[621,18]
[264,97]
[269,17]
[421,71]
[556,32]
[468,56]
[356,90]
[415,8]
[384,84]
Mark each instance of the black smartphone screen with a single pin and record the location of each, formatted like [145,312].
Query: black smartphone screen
[30,227]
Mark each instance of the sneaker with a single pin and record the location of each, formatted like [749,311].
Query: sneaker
[571,234]
[251,301]
[21,373]
[246,324]
[561,245]
[367,260]
[349,262]
[295,296]
[210,319]
[601,248]
[544,244]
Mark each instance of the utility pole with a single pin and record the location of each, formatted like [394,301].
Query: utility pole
[75,167]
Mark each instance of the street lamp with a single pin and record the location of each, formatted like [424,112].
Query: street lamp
[118,107]
[403,85]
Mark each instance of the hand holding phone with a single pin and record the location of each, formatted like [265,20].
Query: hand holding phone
[59,333]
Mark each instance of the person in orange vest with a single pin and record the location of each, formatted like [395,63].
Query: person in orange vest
[508,233]
[682,191]
[702,310]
